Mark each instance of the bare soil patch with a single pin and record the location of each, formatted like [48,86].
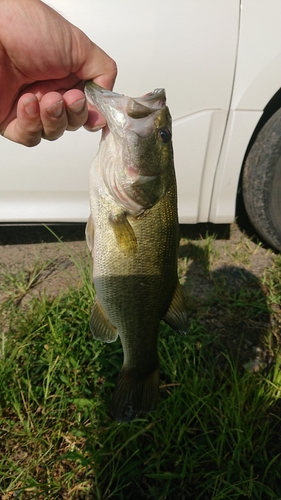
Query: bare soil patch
[36,250]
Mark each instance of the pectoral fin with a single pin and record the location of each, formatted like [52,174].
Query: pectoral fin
[124,233]
[90,233]
[176,316]
[100,326]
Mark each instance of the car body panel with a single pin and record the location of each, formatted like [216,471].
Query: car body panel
[239,130]
[257,79]
[205,55]
[258,70]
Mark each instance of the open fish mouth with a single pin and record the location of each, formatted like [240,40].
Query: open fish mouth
[119,109]
[132,141]
[152,100]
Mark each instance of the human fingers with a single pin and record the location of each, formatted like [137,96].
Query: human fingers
[78,113]
[95,120]
[53,116]
[94,63]
[35,120]
[49,115]
[101,68]
[24,126]
[76,108]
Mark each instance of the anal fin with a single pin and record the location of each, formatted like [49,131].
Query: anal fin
[177,316]
[101,327]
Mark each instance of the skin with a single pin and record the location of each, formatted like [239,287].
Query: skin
[44,62]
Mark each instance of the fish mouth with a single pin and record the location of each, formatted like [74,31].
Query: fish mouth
[120,109]
[154,100]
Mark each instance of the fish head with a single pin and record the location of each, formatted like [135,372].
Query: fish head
[135,154]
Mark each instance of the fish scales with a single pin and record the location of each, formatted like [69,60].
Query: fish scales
[134,246]
[138,283]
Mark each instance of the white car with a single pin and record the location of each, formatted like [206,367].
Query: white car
[220,63]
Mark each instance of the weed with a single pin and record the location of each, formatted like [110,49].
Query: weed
[214,436]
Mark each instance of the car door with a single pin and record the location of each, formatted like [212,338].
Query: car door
[189,48]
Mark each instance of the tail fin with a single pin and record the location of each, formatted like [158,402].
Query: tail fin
[133,396]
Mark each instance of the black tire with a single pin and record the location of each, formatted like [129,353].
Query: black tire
[261,182]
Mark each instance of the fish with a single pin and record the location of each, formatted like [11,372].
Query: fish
[133,236]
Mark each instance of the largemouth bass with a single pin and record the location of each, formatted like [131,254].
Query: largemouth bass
[132,234]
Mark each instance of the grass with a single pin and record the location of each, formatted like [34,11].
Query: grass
[215,434]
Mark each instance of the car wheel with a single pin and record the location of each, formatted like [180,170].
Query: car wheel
[261,182]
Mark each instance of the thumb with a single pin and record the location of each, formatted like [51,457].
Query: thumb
[96,64]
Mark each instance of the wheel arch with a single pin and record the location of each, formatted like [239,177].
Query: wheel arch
[272,106]
[270,109]
[241,131]
[258,199]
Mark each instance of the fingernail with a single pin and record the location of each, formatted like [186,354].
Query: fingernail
[31,106]
[56,109]
[78,106]
[96,129]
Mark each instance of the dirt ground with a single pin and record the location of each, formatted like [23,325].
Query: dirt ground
[25,247]
[235,257]
[35,250]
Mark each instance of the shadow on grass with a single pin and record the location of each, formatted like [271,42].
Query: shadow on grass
[229,302]
[203,229]
[214,436]
[25,235]
[38,233]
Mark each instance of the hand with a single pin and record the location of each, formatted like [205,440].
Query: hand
[44,61]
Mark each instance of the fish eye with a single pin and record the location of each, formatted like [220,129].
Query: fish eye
[165,134]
